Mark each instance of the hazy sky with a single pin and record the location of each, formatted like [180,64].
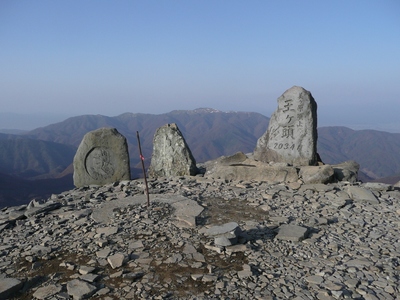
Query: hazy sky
[110,57]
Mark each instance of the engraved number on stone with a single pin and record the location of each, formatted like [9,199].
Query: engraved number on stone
[284,146]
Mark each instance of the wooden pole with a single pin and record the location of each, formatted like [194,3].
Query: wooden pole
[144,171]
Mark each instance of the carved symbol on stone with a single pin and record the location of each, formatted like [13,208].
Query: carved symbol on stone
[300,107]
[288,104]
[290,118]
[288,131]
[274,132]
[300,124]
[98,163]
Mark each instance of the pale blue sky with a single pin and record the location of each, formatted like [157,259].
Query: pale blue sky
[110,57]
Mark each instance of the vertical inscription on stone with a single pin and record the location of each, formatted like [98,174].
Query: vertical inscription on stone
[292,132]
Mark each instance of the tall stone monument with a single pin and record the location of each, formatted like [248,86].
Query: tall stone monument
[171,155]
[292,132]
[102,158]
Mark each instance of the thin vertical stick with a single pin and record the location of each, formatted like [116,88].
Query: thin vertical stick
[144,172]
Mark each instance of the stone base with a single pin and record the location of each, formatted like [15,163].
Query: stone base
[241,167]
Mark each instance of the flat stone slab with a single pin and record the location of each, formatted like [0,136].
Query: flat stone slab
[378,186]
[185,209]
[79,289]
[361,194]
[250,170]
[47,291]
[46,207]
[224,235]
[293,233]
[8,286]
[225,241]
[359,263]
[314,279]
[107,231]
[231,227]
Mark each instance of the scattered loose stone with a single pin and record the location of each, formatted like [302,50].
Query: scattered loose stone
[347,251]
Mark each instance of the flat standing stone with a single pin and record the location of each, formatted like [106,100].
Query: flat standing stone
[292,132]
[102,158]
[291,233]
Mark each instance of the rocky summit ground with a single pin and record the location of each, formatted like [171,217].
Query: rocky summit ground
[296,241]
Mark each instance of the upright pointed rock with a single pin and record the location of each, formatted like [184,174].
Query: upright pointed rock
[292,132]
[171,155]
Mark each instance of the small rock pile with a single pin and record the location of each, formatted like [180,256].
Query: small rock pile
[203,238]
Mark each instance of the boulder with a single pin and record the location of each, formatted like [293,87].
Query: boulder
[346,171]
[102,158]
[292,132]
[171,154]
[240,167]
[317,174]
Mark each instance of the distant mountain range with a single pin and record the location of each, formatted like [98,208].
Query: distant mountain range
[29,158]
[40,161]
[377,152]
